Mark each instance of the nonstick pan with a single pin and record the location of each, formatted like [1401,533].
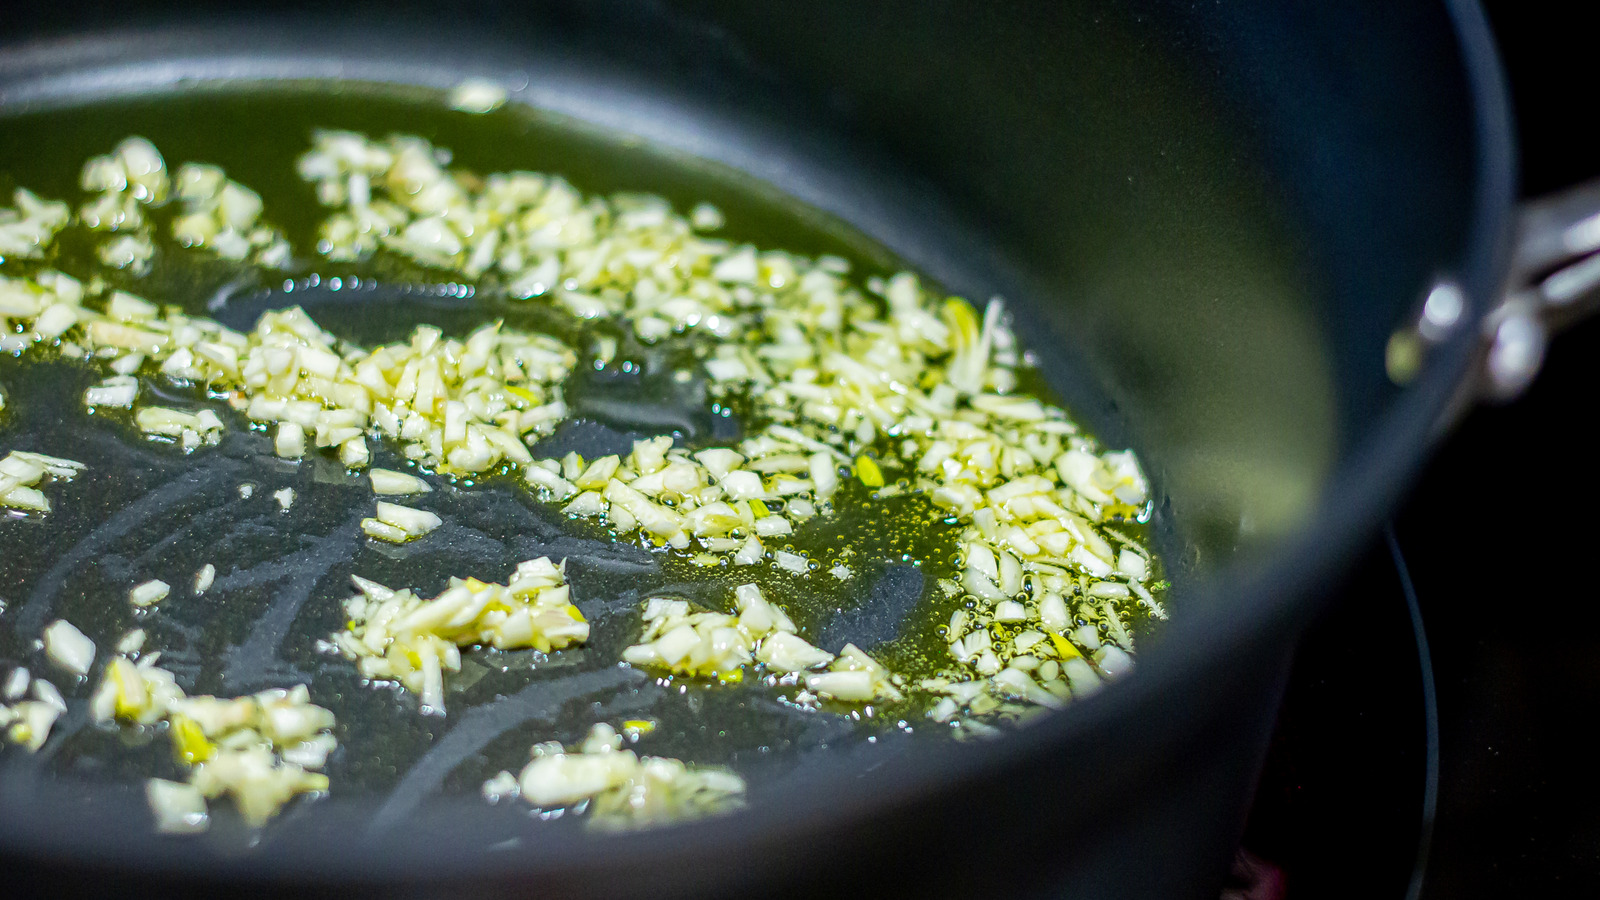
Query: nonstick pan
[1273,249]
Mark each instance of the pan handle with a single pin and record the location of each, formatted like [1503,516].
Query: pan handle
[1554,281]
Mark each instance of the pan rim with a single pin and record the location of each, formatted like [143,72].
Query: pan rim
[1275,600]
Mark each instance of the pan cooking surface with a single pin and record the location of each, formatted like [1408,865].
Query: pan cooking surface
[142,511]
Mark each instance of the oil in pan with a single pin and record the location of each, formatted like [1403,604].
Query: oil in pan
[947,553]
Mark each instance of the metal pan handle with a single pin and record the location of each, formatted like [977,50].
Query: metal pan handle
[1554,281]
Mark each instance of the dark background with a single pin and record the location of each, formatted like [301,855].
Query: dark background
[1499,544]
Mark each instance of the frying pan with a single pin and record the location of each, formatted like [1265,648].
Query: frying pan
[1274,249]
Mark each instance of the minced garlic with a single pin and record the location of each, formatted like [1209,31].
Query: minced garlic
[261,750]
[395,635]
[398,524]
[878,386]
[29,708]
[21,473]
[622,789]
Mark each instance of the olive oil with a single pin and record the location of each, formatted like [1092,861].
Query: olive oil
[877,560]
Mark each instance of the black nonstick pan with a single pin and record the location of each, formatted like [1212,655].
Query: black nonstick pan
[1274,249]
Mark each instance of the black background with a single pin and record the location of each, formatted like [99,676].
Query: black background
[1499,540]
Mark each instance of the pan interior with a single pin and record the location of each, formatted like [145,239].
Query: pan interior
[141,511]
[1223,454]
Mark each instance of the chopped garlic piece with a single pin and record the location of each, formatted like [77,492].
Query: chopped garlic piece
[785,652]
[388,481]
[285,498]
[190,430]
[842,685]
[21,472]
[1113,661]
[290,440]
[29,723]
[792,562]
[398,524]
[116,391]
[29,226]
[854,676]
[204,578]
[68,648]
[383,531]
[178,808]
[149,593]
[1010,611]
[132,642]
[26,498]
[16,685]
[45,692]
[501,787]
